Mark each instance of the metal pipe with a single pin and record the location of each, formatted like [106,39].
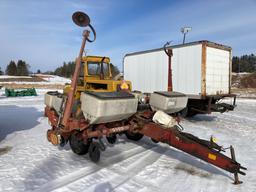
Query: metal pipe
[71,93]
[100,133]
[184,37]
[170,88]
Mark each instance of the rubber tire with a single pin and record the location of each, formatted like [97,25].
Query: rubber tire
[94,152]
[155,141]
[111,139]
[63,142]
[184,112]
[133,136]
[191,113]
[78,146]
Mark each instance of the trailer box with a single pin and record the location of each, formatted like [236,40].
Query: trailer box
[201,70]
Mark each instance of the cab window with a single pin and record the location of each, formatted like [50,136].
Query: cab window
[94,68]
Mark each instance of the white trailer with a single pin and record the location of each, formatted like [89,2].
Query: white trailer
[201,70]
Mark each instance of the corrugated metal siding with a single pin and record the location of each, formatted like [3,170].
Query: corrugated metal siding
[186,65]
[148,72]
[217,71]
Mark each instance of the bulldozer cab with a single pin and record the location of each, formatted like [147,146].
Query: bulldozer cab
[96,68]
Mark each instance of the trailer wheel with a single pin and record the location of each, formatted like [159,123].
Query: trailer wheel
[111,139]
[184,112]
[133,136]
[94,152]
[191,113]
[155,141]
[77,145]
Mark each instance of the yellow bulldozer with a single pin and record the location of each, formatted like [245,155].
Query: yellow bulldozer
[96,76]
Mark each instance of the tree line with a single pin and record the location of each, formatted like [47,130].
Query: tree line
[244,63]
[68,68]
[19,69]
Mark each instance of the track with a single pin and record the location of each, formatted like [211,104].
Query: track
[135,164]
[139,152]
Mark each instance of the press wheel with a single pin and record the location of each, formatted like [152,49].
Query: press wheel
[77,145]
[111,139]
[94,152]
[133,136]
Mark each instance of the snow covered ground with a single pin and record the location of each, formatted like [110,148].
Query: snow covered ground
[48,80]
[28,162]
[54,79]
[13,77]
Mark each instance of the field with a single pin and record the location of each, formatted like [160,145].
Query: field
[28,162]
[36,81]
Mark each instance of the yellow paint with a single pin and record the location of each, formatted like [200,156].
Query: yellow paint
[124,85]
[212,156]
[94,83]
[214,139]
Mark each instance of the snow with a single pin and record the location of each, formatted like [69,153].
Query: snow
[55,79]
[28,162]
[49,80]
[12,77]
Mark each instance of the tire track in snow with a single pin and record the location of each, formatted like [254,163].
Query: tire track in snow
[242,117]
[121,177]
[137,167]
[74,176]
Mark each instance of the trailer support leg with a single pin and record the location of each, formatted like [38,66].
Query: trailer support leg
[232,151]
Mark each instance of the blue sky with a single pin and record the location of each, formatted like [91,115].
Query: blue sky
[43,34]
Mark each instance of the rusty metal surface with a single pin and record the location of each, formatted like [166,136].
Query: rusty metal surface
[142,123]
[72,124]
[170,70]
[230,70]
[70,98]
[169,54]
[82,125]
[203,71]
[106,131]
[174,138]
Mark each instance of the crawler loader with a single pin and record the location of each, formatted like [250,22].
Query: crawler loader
[96,75]
[95,106]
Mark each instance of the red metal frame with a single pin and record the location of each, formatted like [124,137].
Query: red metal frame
[142,123]
[169,53]
[71,93]
[175,139]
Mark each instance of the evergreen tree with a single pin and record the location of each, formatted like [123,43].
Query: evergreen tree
[245,63]
[22,68]
[11,69]
[67,69]
[1,72]
[38,71]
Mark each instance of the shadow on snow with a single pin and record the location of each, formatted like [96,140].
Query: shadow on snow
[14,118]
